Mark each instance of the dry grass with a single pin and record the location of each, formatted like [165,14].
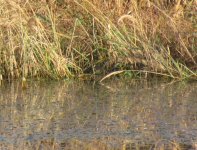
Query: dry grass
[64,39]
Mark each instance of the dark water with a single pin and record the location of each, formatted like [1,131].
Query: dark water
[115,115]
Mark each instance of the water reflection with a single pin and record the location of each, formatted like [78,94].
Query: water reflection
[116,115]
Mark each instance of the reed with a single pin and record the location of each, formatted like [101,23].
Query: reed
[65,39]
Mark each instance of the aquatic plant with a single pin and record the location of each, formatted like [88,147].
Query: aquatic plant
[65,39]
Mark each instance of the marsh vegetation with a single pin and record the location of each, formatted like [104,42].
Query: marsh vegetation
[83,38]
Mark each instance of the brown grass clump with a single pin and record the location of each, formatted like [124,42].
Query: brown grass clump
[63,39]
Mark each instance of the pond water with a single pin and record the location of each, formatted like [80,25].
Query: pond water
[114,115]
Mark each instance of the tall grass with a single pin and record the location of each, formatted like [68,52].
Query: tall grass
[64,39]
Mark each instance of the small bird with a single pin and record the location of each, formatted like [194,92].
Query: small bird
[32,23]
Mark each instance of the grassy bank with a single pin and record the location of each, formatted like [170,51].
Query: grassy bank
[75,38]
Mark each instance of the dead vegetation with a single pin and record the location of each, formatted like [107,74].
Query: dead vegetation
[64,39]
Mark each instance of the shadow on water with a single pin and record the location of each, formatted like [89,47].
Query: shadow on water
[115,115]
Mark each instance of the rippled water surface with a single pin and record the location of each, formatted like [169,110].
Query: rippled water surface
[114,115]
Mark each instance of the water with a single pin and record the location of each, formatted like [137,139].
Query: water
[114,115]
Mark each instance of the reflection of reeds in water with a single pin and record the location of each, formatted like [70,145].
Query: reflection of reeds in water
[101,145]
[62,39]
[118,117]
